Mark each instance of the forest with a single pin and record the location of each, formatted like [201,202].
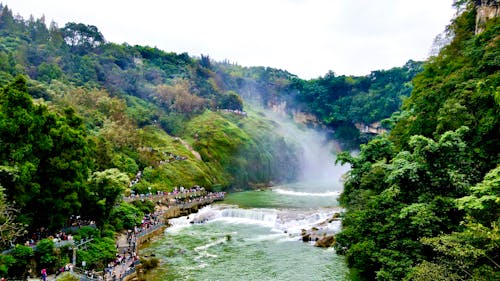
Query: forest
[80,117]
[423,201]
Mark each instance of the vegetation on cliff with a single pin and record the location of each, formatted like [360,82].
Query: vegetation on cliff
[423,202]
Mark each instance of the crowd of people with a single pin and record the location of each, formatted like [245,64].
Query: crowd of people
[205,198]
[43,233]
[126,256]
[147,222]
[122,265]
[170,157]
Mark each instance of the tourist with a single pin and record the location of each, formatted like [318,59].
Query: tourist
[44,274]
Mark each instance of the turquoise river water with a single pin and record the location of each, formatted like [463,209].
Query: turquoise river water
[253,235]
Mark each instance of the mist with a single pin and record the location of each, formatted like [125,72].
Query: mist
[315,152]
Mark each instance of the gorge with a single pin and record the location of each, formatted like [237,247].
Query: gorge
[257,235]
[86,123]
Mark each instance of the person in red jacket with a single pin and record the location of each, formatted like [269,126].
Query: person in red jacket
[44,274]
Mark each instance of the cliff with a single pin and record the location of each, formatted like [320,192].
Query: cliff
[485,10]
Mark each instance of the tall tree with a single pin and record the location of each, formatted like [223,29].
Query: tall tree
[106,188]
[48,157]
[430,210]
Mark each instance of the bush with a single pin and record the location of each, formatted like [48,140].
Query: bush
[125,216]
[87,232]
[22,254]
[45,253]
[6,261]
[98,253]
[66,276]
[146,206]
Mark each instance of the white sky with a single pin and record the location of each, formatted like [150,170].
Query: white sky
[304,37]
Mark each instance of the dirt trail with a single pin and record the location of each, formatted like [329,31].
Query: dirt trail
[194,152]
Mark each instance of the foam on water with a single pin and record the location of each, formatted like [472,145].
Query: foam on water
[280,221]
[206,246]
[300,193]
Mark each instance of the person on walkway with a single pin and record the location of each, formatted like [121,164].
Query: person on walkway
[44,274]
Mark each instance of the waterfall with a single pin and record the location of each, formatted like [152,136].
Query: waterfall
[261,215]
[316,152]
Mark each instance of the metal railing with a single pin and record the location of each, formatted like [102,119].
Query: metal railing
[149,230]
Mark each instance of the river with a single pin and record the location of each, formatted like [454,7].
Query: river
[256,235]
[253,235]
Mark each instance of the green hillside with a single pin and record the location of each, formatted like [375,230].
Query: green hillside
[423,202]
[81,118]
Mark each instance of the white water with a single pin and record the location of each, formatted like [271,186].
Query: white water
[286,221]
[316,155]
[299,193]
[256,235]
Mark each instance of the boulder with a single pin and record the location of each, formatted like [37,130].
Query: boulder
[306,237]
[326,241]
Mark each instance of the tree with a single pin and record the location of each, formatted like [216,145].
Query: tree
[46,72]
[126,216]
[9,228]
[23,255]
[429,209]
[473,251]
[47,158]
[82,37]
[230,100]
[45,253]
[106,188]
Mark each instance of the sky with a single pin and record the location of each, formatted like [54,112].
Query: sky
[305,37]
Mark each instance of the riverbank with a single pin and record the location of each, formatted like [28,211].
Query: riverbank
[129,244]
[253,235]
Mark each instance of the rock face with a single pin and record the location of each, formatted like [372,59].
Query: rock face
[486,9]
[374,128]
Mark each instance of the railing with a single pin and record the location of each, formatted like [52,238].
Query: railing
[158,197]
[127,273]
[149,230]
[57,244]
[83,275]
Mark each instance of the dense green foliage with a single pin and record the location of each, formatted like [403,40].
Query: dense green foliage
[132,100]
[423,202]
[46,157]
[80,117]
[337,102]
[342,101]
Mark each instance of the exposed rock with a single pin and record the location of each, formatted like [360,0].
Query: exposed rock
[374,128]
[326,241]
[485,10]
[335,217]
[306,237]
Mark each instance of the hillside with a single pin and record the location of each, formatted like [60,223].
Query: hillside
[423,201]
[171,84]
[78,111]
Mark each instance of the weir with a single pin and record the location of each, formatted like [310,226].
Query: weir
[154,231]
[262,230]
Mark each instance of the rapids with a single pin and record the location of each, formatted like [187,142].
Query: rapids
[256,235]
[252,235]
